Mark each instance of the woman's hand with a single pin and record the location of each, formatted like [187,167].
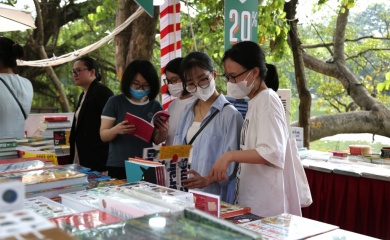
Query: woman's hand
[197,181]
[218,171]
[160,131]
[124,128]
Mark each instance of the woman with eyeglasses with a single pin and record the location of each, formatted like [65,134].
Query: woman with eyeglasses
[86,147]
[264,133]
[176,89]
[140,86]
[16,91]
[220,133]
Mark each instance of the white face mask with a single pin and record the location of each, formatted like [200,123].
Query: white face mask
[176,90]
[240,89]
[204,94]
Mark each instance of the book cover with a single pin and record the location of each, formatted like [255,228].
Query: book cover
[26,224]
[176,160]
[47,207]
[178,225]
[9,144]
[37,180]
[59,138]
[230,210]
[207,202]
[84,220]
[27,165]
[162,115]
[287,226]
[243,218]
[145,170]
[38,154]
[143,129]
[58,124]
[54,193]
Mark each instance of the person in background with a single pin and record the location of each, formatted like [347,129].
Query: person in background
[140,86]
[86,147]
[16,92]
[176,89]
[264,133]
[221,134]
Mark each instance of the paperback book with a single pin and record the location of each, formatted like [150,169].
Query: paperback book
[38,180]
[287,226]
[145,170]
[229,210]
[243,218]
[176,160]
[207,202]
[143,128]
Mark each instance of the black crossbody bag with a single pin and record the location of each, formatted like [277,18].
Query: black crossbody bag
[205,124]
[20,105]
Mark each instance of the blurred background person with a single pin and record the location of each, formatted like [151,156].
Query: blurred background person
[86,147]
[16,92]
[183,97]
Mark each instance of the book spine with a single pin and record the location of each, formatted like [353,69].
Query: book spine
[8,144]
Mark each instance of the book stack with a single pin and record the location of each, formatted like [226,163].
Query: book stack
[48,182]
[229,210]
[162,165]
[55,125]
[8,148]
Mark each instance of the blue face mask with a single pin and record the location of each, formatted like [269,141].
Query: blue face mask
[138,94]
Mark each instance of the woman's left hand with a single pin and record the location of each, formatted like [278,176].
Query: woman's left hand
[197,181]
[161,131]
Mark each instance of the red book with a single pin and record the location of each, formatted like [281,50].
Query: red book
[55,118]
[229,210]
[143,129]
[84,220]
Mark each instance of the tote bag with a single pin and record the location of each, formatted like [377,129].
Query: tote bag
[304,193]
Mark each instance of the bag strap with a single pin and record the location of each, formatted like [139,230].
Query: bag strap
[20,105]
[205,124]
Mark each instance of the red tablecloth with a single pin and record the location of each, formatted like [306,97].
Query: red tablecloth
[356,204]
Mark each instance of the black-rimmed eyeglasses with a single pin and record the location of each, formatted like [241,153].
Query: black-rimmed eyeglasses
[232,79]
[137,86]
[77,71]
[203,83]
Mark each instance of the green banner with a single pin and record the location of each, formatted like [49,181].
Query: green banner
[147,5]
[240,21]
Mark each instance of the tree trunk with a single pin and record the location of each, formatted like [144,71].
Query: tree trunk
[373,117]
[300,78]
[136,41]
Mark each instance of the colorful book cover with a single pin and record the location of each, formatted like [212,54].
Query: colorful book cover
[8,144]
[143,129]
[177,225]
[39,154]
[145,170]
[84,220]
[207,202]
[24,166]
[230,210]
[287,226]
[176,160]
[37,180]
[47,207]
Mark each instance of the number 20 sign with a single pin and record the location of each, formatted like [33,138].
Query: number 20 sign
[240,21]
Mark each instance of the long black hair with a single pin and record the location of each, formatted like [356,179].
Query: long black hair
[90,63]
[9,52]
[249,55]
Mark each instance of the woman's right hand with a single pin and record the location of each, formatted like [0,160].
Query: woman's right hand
[124,128]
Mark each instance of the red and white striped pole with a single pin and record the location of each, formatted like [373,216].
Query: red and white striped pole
[170,41]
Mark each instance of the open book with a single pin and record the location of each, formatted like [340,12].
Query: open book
[144,129]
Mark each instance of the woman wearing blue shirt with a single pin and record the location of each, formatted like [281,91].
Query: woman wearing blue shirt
[220,135]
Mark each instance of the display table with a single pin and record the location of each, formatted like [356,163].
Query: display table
[356,204]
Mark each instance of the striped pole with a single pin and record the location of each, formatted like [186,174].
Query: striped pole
[170,41]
